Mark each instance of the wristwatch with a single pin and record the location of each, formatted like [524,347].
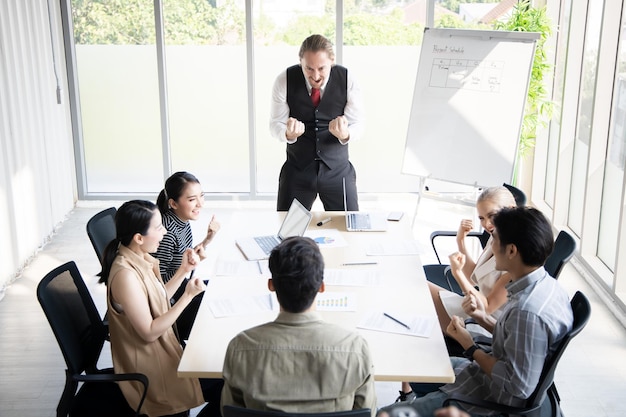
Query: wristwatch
[469,352]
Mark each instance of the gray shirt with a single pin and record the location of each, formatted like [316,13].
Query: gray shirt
[299,363]
[536,317]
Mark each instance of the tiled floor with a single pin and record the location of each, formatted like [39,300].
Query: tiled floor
[591,377]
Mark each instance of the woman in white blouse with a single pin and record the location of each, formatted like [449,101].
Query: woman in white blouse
[481,277]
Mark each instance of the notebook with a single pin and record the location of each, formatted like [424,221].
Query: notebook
[295,223]
[357,221]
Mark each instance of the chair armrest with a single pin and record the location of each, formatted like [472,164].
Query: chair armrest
[487,405]
[110,377]
[470,320]
[483,341]
[450,233]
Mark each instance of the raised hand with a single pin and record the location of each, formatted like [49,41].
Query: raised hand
[457,261]
[456,330]
[295,128]
[194,287]
[190,261]
[466,226]
[339,128]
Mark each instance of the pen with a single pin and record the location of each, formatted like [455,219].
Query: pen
[359,263]
[396,320]
[326,220]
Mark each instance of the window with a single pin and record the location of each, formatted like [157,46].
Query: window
[557,97]
[614,167]
[280,26]
[585,115]
[207,97]
[135,132]
[116,64]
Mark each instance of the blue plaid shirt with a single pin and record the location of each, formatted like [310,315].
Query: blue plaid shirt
[536,317]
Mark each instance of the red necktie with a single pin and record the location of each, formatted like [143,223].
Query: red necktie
[315,96]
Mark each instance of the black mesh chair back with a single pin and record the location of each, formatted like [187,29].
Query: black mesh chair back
[564,248]
[582,312]
[73,317]
[232,411]
[80,334]
[101,230]
[518,195]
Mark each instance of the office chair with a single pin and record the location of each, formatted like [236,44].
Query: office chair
[536,405]
[564,248]
[440,274]
[232,411]
[101,230]
[80,333]
[518,195]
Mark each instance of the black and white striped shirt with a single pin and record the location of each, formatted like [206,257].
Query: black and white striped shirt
[173,245]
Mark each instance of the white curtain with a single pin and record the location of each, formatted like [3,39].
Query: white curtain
[37,175]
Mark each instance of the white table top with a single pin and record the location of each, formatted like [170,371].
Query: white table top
[402,287]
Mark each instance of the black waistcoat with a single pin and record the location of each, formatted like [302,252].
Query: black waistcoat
[317,142]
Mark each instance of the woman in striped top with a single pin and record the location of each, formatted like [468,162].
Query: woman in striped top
[180,201]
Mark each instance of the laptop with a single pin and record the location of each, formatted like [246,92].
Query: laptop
[295,223]
[357,221]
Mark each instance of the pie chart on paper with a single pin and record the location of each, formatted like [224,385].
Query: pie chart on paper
[324,240]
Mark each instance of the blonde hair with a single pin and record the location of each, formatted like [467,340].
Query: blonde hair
[499,195]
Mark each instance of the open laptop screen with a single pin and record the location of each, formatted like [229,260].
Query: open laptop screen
[296,221]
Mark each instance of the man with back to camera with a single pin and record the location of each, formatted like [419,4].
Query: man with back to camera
[316,109]
[298,362]
[533,322]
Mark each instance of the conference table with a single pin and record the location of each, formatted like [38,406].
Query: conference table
[394,278]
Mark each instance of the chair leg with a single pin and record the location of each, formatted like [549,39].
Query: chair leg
[555,401]
[554,391]
[63,409]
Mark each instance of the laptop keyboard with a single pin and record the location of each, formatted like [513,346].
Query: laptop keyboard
[359,221]
[267,243]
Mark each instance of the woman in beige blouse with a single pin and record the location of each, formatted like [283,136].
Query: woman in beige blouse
[139,312]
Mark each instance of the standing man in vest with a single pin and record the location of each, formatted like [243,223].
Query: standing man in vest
[317,110]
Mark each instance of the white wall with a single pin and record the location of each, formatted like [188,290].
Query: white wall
[37,174]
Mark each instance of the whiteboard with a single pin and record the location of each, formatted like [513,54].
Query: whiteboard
[468,105]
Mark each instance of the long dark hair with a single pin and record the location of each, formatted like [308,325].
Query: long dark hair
[174,187]
[131,218]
